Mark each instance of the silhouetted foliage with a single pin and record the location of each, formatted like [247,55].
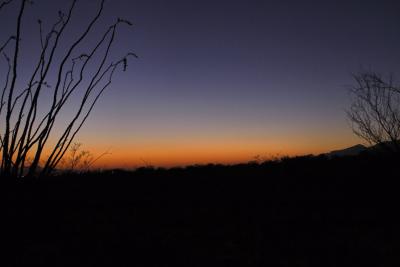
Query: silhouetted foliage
[26,131]
[375,110]
[79,160]
[302,211]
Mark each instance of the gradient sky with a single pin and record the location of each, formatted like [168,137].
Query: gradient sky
[223,81]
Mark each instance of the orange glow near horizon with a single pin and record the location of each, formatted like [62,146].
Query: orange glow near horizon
[163,153]
[180,143]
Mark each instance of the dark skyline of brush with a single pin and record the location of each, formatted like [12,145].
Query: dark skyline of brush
[225,80]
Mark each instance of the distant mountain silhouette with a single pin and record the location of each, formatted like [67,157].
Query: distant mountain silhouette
[384,147]
[350,151]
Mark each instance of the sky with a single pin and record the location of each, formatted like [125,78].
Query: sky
[223,81]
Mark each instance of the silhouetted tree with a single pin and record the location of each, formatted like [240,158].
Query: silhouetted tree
[375,110]
[25,130]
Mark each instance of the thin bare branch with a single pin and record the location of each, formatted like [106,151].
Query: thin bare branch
[375,111]
[27,131]
[6,162]
[4,3]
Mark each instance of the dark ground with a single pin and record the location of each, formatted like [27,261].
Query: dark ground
[308,211]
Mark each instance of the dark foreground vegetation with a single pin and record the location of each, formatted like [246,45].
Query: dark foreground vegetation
[306,211]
